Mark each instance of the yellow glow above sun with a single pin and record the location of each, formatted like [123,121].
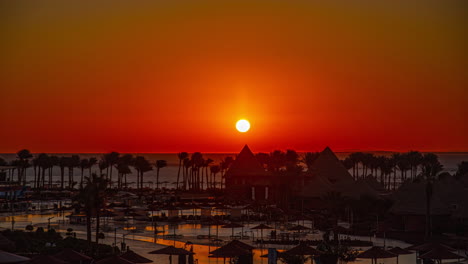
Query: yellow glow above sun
[242,125]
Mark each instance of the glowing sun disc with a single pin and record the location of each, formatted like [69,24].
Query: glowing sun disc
[242,125]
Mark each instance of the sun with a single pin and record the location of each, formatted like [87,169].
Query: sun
[242,125]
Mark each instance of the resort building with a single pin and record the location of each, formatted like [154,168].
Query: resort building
[248,180]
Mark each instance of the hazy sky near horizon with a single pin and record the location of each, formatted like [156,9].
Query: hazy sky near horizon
[169,76]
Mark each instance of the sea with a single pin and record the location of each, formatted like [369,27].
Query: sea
[168,175]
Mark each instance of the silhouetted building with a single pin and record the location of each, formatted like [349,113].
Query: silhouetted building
[247,179]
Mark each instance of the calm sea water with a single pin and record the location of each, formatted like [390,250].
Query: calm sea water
[168,175]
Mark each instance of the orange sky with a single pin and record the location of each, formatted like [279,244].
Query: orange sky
[169,76]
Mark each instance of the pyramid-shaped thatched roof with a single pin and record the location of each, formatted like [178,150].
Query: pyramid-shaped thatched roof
[329,166]
[410,199]
[245,164]
[354,189]
[316,186]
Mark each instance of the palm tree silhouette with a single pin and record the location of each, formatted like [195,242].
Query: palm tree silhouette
[63,163]
[23,155]
[92,198]
[181,156]
[430,168]
[141,165]
[91,162]
[215,169]
[84,163]
[73,162]
[308,158]
[159,165]
[187,163]
[206,164]
[111,160]
[123,167]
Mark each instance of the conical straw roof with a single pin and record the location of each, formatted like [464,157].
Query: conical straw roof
[376,253]
[70,255]
[134,257]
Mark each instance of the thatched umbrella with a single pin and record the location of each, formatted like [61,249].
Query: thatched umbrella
[234,248]
[114,260]
[69,255]
[303,250]
[399,251]
[439,254]
[261,227]
[232,225]
[171,250]
[134,257]
[10,258]
[375,253]
[46,259]
[429,246]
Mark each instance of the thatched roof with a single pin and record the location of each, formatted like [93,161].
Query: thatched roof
[245,164]
[329,166]
[134,257]
[399,251]
[410,199]
[440,253]
[170,250]
[355,189]
[315,186]
[70,255]
[303,250]
[46,259]
[114,260]
[376,253]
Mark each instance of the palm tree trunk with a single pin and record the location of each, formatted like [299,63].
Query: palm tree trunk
[88,227]
[178,174]
[157,178]
[98,218]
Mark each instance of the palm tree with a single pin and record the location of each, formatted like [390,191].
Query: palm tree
[462,169]
[430,168]
[84,163]
[291,158]
[206,164]
[277,160]
[63,163]
[403,165]
[187,165]
[74,162]
[197,162]
[23,155]
[123,167]
[111,160]
[42,162]
[355,157]
[102,166]
[415,158]
[181,156]
[308,158]
[225,164]
[91,162]
[92,198]
[141,165]
[53,161]
[214,170]
[263,158]
[159,165]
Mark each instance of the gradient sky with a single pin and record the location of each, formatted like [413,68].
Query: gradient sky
[169,76]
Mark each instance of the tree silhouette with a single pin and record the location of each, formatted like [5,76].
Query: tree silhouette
[159,165]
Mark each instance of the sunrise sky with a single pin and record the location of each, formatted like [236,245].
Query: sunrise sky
[170,76]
